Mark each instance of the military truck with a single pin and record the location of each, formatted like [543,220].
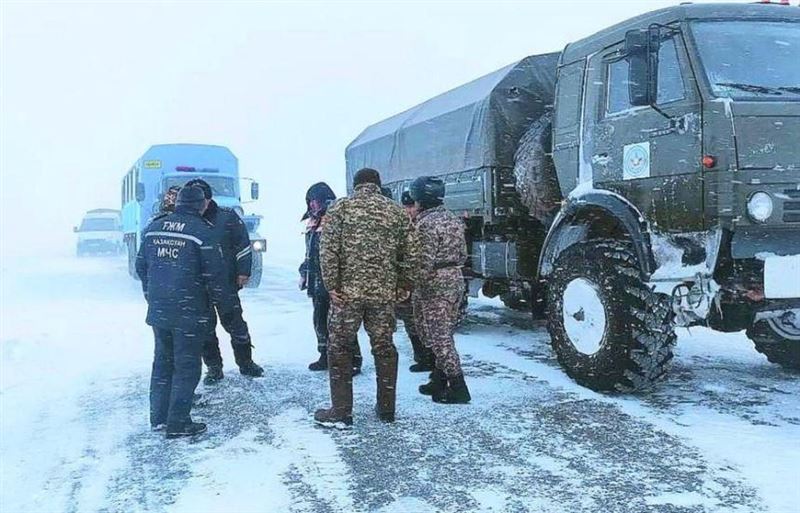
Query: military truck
[644,178]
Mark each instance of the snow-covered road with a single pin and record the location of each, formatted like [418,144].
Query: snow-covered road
[721,434]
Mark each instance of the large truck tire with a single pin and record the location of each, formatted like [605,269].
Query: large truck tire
[256,271]
[608,329]
[778,342]
[535,171]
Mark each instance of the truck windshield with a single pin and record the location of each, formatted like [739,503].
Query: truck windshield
[98,224]
[220,185]
[750,59]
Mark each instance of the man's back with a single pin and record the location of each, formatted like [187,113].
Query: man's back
[180,266]
[368,246]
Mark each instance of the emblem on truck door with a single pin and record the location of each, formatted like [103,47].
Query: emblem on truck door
[636,161]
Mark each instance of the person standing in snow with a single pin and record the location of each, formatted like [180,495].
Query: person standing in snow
[439,288]
[318,198]
[368,253]
[183,278]
[423,356]
[231,231]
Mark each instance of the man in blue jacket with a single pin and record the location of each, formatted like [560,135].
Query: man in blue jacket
[183,279]
[237,255]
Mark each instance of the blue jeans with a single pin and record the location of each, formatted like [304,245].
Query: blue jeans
[176,372]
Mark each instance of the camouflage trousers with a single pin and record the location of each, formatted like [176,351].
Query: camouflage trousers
[343,323]
[405,312]
[436,317]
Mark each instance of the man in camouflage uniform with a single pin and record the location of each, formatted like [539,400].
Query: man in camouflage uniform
[368,252]
[439,288]
[423,356]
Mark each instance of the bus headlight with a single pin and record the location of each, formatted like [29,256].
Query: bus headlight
[259,245]
[760,206]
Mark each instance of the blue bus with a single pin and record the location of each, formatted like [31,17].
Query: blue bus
[165,165]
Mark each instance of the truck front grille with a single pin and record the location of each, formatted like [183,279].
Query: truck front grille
[791,209]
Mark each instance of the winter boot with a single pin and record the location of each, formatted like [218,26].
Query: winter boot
[456,392]
[340,414]
[386,373]
[423,356]
[188,429]
[213,375]
[358,360]
[243,353]
[321,364]
[438,381]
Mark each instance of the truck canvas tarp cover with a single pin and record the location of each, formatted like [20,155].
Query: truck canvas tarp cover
[472,126]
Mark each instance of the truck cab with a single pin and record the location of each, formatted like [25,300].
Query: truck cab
[100,232]
[167,165]
[675,137]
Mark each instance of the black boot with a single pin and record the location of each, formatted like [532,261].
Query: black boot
[421,367]
[243,353]
[358,360]
[187,429]
[438,381]
[321,364]
[423,356]
[213,375]
[456,392]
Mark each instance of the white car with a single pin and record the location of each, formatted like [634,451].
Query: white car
[100,232]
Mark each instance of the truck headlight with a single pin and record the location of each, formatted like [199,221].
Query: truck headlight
[760,206]
[259,245]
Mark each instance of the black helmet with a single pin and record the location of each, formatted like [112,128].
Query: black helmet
[191,197]
[406,199]
[427,191]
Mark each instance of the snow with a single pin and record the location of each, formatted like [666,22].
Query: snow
[719,435]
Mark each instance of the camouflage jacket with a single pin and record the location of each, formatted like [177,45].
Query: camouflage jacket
[369,247]
[443,251]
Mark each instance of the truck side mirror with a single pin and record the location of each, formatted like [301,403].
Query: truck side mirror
[140,191]
[641,52]
[254,190]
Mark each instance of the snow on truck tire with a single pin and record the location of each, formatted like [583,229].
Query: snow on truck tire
[780,346]
[608,330]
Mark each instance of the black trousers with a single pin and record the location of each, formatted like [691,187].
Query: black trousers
[176,372]
[322,305]
[236,327]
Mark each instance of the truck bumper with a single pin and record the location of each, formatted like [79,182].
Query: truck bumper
[754,241]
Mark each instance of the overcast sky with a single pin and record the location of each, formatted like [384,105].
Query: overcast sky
[86,88]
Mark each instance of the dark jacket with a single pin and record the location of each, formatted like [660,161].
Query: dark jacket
[231,232]
[310,268]
[182,272]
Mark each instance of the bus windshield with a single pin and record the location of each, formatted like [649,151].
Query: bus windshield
[220,185]
[99,224]
[750,59]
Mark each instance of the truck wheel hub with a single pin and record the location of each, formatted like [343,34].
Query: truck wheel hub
[584,315]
